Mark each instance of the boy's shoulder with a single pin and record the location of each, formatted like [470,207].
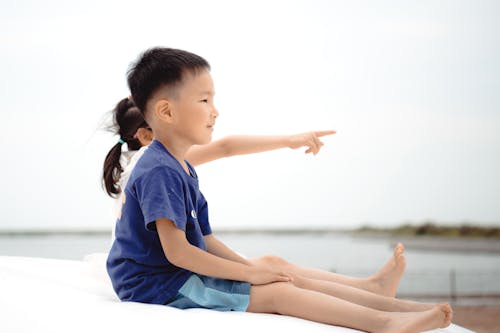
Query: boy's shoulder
[154,161]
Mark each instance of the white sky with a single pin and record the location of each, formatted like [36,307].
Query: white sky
[412,87]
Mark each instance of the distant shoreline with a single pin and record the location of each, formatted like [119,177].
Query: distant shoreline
[425,231]
[98,232]
[422,238]
[463,231]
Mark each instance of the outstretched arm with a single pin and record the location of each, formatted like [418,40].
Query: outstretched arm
[250,144]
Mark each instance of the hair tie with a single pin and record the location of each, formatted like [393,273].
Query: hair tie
[121,141]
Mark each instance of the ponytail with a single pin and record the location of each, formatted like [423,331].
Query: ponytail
[112,170]
[127,119]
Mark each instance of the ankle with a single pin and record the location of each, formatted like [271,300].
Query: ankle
[382,322]
[374,279]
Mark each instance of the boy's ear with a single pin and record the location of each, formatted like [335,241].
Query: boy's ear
[163,110]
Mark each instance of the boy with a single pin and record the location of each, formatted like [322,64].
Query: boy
[164,250]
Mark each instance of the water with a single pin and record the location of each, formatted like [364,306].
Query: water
[430,273]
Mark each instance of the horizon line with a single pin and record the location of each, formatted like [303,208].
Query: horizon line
[103,231]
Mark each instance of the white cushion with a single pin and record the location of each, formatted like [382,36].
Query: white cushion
[51,295]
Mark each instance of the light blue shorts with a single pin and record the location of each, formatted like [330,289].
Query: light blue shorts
[201,291]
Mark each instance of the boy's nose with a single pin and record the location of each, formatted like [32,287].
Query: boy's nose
[215,113]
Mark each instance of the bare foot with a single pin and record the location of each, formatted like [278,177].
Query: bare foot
[448,311]
[386,281]
[415,322]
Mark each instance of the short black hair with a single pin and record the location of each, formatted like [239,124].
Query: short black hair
[158,67]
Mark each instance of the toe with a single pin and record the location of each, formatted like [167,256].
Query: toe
[399,249]
[402,247]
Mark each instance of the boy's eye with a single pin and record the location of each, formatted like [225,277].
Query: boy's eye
[204,100]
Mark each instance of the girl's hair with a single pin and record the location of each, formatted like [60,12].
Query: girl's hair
[127,119]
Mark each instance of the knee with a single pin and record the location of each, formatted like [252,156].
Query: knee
[274,261]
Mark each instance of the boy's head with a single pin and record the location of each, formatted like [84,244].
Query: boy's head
[161,69]
[174,91]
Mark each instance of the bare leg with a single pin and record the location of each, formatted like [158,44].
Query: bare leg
[287,299]
[360,296]
[384,282]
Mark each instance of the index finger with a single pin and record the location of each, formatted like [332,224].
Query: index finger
[323,133]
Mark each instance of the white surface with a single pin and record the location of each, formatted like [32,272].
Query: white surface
[50,295]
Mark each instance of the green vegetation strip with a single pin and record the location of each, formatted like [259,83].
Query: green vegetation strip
[431,229]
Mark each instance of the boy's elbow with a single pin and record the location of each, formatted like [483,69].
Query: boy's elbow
[172,256]
[177,257]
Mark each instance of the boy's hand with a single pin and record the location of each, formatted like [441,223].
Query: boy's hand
[261,275]
[309,139]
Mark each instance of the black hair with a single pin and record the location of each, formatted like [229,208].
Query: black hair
[127,119]
[158,67]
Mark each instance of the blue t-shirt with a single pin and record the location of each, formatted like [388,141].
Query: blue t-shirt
[158,188]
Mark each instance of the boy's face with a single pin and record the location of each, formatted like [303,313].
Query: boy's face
[193,109]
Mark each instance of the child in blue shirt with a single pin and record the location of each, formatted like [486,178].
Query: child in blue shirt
[128,122]
[165,252]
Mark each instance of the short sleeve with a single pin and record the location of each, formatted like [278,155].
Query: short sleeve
[160,193]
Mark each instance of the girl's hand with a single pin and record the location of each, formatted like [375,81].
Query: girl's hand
[309,139]
[261,275]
